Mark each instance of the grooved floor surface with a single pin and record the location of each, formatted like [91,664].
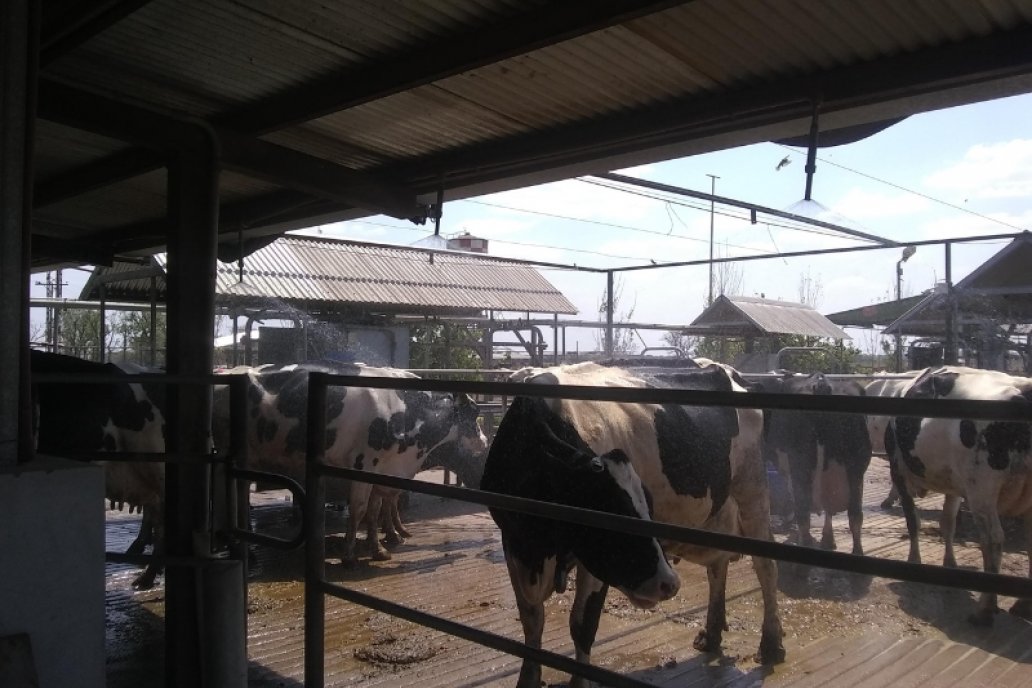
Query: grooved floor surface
[839,629]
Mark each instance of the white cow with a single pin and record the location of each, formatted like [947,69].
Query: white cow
[386,431]
[702,467]
[885,386]
[986,463]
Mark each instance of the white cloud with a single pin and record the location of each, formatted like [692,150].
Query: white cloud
[998,170]
[572,198]
[862,204]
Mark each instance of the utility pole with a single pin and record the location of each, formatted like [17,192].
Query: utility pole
[713,192]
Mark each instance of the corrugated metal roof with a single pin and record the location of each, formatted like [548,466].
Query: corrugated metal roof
[741,316]
[318,271]
[997,293]
[634,82]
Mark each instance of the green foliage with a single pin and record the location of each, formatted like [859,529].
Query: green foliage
[445,345]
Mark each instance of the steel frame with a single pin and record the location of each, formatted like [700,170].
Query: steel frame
[317,587]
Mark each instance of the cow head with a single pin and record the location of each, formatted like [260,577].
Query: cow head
[634,565]
[538,455]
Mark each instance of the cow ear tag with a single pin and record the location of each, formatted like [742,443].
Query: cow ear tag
[596,465]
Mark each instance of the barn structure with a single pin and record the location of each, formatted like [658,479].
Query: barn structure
[757,322]
[350,300]
[986,315]
[133,127]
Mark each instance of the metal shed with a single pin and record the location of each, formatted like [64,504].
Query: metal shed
[349,283]
[750,316]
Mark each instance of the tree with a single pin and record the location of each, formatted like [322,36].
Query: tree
[623,337]
[446,345]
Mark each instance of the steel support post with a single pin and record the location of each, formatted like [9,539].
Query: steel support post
[949,354]
[609,313]
[315,534]
[19,43]
[204,646]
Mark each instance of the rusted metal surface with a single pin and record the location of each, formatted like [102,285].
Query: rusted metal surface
[840,629]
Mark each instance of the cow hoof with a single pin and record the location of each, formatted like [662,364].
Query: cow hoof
[887,504]
[381,555]
[404,533]
[771,652]
[704,642]
[1022,608]
[828,544]
[392,542]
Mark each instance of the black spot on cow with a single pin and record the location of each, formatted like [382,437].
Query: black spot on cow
[583,631]
[968,433]
[359,462]
[376,460]
[695,450]
[331,437]
[695,442]
[1002,438]
[380,435]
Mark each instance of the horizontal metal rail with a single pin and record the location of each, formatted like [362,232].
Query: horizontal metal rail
[164,560]
[1013,586]
[884,406]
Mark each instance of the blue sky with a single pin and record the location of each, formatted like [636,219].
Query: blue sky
[976,159]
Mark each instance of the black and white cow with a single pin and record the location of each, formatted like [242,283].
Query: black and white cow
[698,466]
[824,455]
[392,432]
[75,418]
[886,386]
[986,463]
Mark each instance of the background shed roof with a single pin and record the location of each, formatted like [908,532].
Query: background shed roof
[318,272]
[748,316]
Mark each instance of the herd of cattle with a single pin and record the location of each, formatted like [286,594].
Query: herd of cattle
[696,466]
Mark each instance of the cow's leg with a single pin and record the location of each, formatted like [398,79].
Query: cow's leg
[948,526]
[710,637]
[396,518]
[358,502]
[145,581]
[803,465]
[990,531]
[584,618]
[375,507]
[828,533]
[532,585]
[909,508]
[390,516]
[146,535]
[855,511]
[1023,606]
[755,522]
[891,499]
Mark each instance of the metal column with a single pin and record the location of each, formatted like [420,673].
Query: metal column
[609,313]
[201,649]
[19,43]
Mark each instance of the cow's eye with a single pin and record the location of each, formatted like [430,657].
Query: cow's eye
[596,465]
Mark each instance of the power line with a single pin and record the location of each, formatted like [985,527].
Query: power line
[911,191]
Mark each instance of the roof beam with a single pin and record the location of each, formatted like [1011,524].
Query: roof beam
[316,176]
[79,23]
[95,175]
[539,28]
[161,131]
